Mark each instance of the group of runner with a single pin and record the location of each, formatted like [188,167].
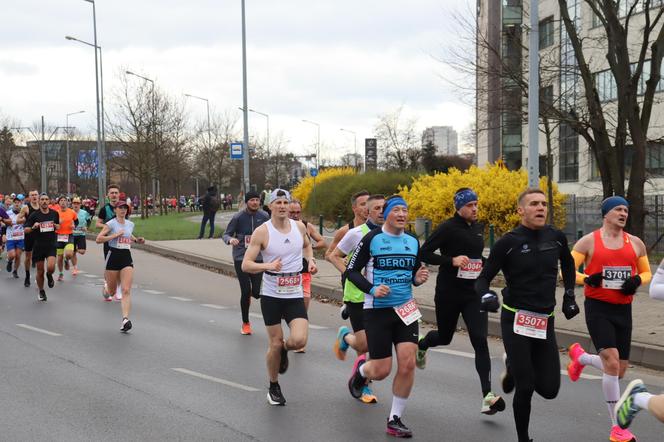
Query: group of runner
[380,262]
[48,232]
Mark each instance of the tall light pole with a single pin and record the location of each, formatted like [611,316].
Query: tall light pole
[154,129]
[317,142]
[267,136]
[68,161]
[354,142]
[209,127]
[245,105]
[533,96]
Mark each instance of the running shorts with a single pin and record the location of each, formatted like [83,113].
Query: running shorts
[40,253]
[79,242]
[306,284]
[384,328]
[29,242]
[15,244]
[62,245]
[276,309]
[118,259]
[609,326]
[355,312]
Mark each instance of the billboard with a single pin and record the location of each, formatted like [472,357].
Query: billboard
[370,154]
[86,164]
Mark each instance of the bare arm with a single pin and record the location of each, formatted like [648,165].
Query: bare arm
[337,237]
[337,259]
[258,242]
[104,236]
[320,242]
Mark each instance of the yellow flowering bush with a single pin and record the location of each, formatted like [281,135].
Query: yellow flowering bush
[432,196]
[302,191]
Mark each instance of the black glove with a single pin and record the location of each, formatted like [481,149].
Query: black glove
[570,308]
[594,280]
[490,302]
[630,285]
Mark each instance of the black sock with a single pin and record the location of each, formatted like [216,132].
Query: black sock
[273,384]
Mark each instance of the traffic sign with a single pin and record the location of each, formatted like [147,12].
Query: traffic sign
[313,172]
[236,151]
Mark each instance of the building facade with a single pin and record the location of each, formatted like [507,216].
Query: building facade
[444,138]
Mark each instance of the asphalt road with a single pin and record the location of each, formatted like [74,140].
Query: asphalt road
[185,372]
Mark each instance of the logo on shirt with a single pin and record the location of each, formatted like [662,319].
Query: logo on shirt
[385,249]
[287,241]
[525,249]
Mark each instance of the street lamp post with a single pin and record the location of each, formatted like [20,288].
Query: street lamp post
[209,127]
[68,161]
[317,143]
[267,132]
[533,96]
[354,143]
[245,106]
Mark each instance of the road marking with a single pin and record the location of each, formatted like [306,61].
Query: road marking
[177,298]
[454,352]
[215,306]
[153,292]
[89,275]
[217,380]
[584,376]
[255,315]
[38,330]
[316,327]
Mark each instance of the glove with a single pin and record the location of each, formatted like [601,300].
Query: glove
[594,280]
[630,285]
[490,302]
[570,308]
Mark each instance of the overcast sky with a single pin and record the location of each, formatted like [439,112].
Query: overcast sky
[339,63]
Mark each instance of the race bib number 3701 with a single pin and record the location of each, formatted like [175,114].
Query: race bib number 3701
[613,277]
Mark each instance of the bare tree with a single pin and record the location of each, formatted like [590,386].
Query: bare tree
[397,138]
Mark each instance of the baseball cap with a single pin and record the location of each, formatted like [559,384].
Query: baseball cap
[279,193]
[122,203]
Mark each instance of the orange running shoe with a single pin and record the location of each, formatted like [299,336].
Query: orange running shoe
[246,328]
[620,435]
[574,368]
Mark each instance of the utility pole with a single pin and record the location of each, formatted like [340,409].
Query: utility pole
[533,96]
[44,180]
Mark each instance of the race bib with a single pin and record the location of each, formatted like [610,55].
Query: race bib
[47,226]
[78,229]
[408,312]
[63,238]
[247,240]
[16,233]
[530,324]
[471,270]
[124,242]
[288,284]
[613,277]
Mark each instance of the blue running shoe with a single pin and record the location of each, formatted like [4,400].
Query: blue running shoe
[340,345]
[367,396]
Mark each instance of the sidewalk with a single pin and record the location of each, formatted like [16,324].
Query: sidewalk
[648,327]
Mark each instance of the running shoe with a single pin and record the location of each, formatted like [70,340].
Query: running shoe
[574,368]
[397,428]
[367,396]
[274,395]
[61,277]
[620,435]
[126,325]
[491,404]
[357,382]
[283,361]
[246,328]
[340,345]
[421,356]
[104,292]
[74,271]
[66,263]
[49,277]
[15,274]
[626,409]
[42,295]
[506,379]
[9,265]
[118,296]
[344,312]
[300,350]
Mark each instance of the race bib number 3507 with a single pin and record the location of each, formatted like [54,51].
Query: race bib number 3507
[530,324]
[613,277]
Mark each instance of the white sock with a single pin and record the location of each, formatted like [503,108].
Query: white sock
[362,371]
[611,389]
[642,400]
[592,360]
[398,405]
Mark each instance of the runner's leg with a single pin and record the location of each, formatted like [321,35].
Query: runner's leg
[245,290]
[126,278]
[447,316]
[275,343]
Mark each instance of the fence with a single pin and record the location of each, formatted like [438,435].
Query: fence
[584,216]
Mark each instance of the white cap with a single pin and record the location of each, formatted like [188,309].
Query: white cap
[279,193]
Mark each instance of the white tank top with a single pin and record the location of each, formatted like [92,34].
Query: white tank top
[287,284]
[15,231]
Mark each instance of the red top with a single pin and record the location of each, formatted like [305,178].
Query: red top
[615,265]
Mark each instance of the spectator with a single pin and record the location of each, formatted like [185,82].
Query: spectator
[210,204]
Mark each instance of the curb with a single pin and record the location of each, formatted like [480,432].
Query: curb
[646,355]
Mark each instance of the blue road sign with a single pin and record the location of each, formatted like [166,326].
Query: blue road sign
[313,171]
[236,151]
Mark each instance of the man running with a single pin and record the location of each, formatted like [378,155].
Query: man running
[358,204]
[238,234]
[353,297]
[27,210]
[65,238]
[15,237]
[390,258]
[281,241]
[81,228]
[43,224]
[529,257]
[107,213]
[460,241]
[616,264]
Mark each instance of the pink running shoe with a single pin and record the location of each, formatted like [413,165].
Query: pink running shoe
[574,368]
[620,435]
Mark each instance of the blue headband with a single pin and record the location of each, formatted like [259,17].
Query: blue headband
[391,204]
[464,197]
[612,202]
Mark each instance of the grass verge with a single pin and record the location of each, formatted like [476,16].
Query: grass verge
[173,226]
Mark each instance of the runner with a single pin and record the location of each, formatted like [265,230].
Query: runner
[281,242]
[107,213]
[27,210]
[460,241]
[616,264]
[391,260]
[65,248]
[529,257]
[43,223]
[6,223]
[238,234]
[119,234]
[80,230]
[353,297]
[15,238]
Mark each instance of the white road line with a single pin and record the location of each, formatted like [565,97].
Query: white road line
[454,352]
[584,376]
[316,327]
[255,315]
[38,330]
[89,275]
[215,306]
[177,298]
[153,292]
[217,380]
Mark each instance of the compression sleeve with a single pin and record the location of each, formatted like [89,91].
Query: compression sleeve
[657,285]
[431,245]
[493,265]
[579,259]
[567,263]
[643,269]
[357,262]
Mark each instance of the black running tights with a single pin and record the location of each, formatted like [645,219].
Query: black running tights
[250,285]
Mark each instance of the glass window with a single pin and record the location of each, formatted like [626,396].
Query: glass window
[569,154]
[546,33]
